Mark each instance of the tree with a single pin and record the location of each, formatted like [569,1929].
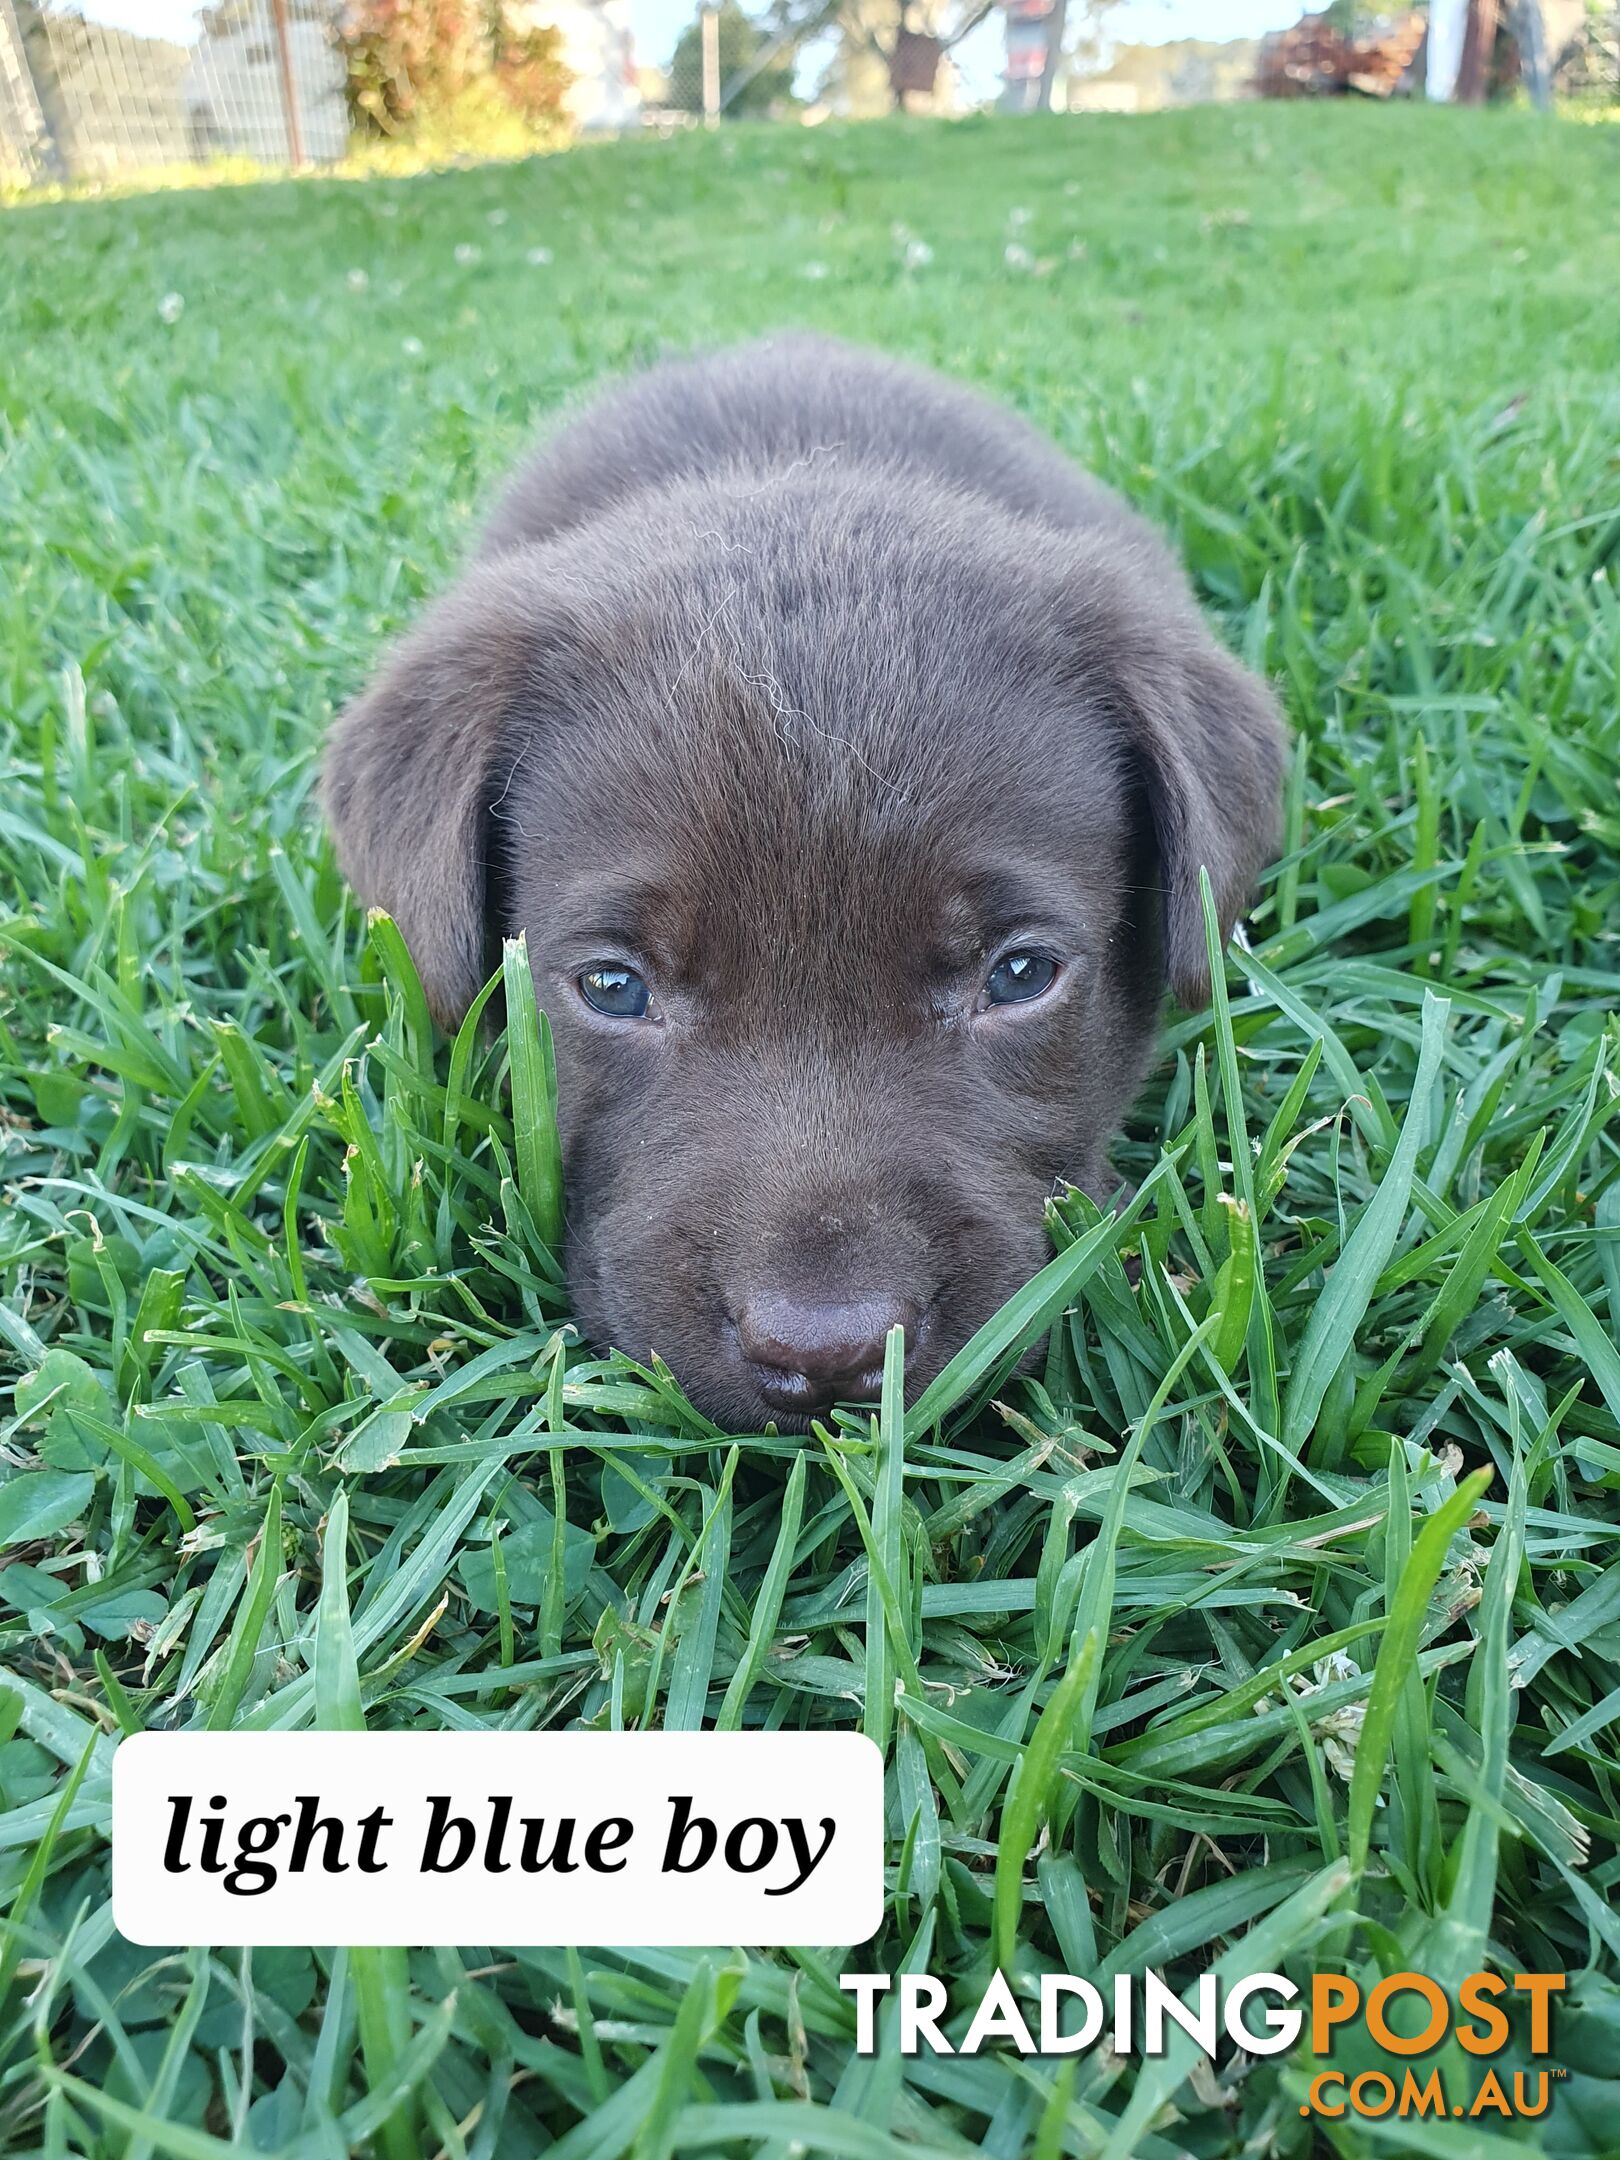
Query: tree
[912,50]
[408,60]
[743,43]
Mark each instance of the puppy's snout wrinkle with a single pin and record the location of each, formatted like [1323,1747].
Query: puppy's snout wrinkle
[808,1354]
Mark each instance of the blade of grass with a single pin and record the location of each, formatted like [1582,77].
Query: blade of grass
[767,1605]
[381,1977]
[1338,1313]
[1402,1633]
[1026,1316]
[534,1097]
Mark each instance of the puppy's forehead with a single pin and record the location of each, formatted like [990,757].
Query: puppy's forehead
[746,829]
[827,719]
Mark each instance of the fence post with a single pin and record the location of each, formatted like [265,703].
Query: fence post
[54,149]
[1531,32]
[289,87]
[711,67]
[1052,58]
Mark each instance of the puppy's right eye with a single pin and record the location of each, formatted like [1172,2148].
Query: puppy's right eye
[618,992]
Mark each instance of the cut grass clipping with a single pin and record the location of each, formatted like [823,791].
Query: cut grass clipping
[1273,1622]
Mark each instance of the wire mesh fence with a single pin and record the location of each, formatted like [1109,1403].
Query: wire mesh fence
[93,89]
[731,63]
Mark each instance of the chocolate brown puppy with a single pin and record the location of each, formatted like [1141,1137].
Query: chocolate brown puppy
[849,758]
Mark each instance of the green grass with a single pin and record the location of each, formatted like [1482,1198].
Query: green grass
[293,1435]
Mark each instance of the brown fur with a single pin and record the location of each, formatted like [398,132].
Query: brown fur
[803,682]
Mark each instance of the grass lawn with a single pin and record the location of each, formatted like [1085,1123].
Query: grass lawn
[273,1306]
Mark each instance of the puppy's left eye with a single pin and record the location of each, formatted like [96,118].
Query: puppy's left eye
[619,992]
[1020,977]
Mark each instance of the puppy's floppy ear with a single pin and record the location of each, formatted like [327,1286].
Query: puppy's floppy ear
[1212,746]
[412,767]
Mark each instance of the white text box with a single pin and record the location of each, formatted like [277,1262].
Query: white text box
[503,1838]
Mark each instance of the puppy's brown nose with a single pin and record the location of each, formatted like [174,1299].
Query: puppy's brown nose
[807,1355]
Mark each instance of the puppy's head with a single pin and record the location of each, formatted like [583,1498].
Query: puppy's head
[856,831]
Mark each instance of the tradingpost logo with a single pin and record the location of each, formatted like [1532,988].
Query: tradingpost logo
[1405,2016]
[1479,2025]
